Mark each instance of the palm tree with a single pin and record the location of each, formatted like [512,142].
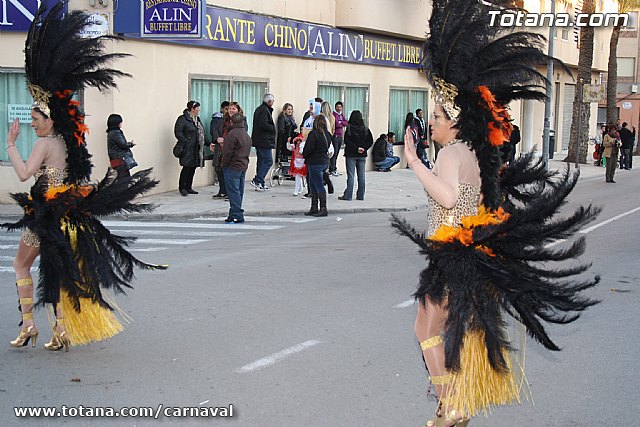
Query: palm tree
[612,72]
[579,143]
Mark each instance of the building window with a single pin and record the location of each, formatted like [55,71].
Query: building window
[564,34]
[626,67]
[352,98]
[632,24]
[14,95]
[210,93]
[402,102]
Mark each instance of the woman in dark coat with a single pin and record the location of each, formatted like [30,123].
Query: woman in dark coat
[117,145]
[190,134]
[357,140]
[317,160]
[286,129]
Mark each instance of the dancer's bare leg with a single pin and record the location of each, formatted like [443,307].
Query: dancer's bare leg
[22,263]
[428,327]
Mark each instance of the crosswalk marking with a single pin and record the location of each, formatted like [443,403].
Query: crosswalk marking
[170,241]
[110,224]
[181,232]
[156,249]
[3,269]
[160,236]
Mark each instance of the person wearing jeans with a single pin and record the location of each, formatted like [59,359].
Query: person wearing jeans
[317,159]
[357,140]
[234,182]
[382,153]
[235,161]
[263,139]
[264,161]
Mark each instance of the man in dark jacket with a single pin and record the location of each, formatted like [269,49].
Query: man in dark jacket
[423,144]
[263,137]
[217,123]
[382,153]
[235,161]
[627,138]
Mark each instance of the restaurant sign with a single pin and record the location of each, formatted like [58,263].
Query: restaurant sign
[172,18]
[17,15]
[244,31]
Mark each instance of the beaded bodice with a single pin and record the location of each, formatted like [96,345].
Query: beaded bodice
[466,205]
[55,176]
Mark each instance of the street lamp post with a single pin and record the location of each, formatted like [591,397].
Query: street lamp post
[547,103]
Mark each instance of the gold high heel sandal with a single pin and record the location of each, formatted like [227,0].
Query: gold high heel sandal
[451,418]
[29,333]
[58,340]
[437,420]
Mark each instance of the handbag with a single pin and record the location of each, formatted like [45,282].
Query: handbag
[178,149]
[129,161]
[330,149]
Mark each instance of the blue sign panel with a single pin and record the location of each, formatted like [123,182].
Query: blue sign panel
[172,18]
[236,30]
[17,15]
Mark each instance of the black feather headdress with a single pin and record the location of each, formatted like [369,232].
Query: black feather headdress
[500,260]
[476,69]
[58,63]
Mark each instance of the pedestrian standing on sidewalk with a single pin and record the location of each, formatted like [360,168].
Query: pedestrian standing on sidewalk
[325,110]
[117,146]
[422,144]
[286,129]
[317,159]
[338,137]
[627,138]
[224,127]
[215,128]
[263,138]
[191,135]
[357,140]
[235,161]
[611,146]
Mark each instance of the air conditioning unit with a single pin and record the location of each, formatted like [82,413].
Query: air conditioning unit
[634,88]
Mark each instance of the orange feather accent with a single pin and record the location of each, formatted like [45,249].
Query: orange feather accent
[464,232]
[500,129]
[76,190]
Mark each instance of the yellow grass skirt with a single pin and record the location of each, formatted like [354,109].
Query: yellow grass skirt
[477,387]
[92,323]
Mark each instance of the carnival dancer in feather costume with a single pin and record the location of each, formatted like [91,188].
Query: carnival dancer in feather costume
[487,228]
[79,257]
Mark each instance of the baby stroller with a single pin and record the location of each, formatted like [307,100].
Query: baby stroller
[280,172]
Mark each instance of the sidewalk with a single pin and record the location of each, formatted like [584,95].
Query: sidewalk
[394,191]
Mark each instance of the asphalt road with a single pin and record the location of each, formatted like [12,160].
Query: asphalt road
[308,324]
